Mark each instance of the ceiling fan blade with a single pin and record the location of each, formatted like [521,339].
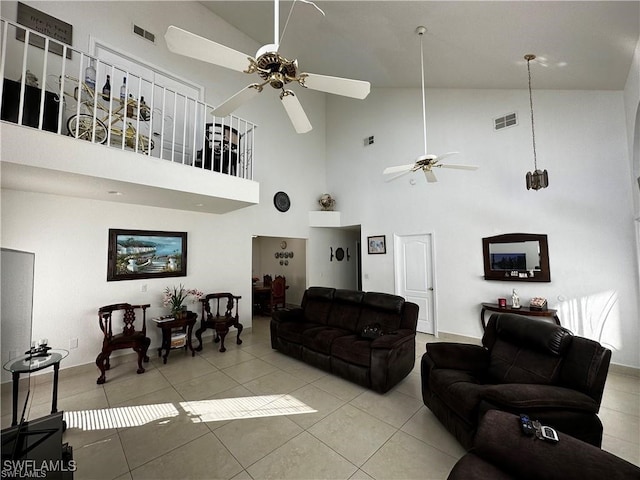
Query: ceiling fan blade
[234,102]
[445,155]
[296,113]
[399,168]
[460,167]
[431,177]
[398,175]
[336,85]
[194,46]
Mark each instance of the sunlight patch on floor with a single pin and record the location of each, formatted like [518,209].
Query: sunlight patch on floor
[199,411]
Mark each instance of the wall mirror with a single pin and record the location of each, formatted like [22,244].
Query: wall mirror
[516,257]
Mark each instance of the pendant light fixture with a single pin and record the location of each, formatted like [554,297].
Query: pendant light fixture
[538,178]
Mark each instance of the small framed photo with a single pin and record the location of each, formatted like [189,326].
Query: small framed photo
[136,254]
[377,244]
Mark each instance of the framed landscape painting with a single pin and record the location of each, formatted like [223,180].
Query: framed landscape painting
[136,254]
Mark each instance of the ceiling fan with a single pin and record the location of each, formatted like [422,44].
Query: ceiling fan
[271,67]
[426,162]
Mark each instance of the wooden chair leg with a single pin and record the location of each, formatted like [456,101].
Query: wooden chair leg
[101,366]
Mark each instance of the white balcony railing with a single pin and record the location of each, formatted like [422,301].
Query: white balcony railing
[141,116]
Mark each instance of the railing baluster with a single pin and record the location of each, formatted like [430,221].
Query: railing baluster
[23,76]
[44,76]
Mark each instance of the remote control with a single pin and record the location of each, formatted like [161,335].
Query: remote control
[526,425]
[549,434]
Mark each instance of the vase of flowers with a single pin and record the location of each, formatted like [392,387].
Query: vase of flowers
[174,298]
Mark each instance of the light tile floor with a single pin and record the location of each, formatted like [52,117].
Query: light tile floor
[352,433]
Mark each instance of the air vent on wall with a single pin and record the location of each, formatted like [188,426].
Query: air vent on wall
[505,121]
[144,34]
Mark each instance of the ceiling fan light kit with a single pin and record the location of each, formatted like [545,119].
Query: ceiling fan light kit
[538,178]
[272,68]
[426,162]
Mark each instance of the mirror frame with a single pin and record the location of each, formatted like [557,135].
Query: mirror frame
[542,275]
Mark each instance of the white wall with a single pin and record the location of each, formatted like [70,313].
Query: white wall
[327,272]
[586,211]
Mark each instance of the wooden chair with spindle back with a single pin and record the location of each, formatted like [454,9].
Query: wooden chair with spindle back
[129,338]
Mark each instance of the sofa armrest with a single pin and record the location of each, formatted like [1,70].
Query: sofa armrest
[292,315]
[520,396]
[500,442]
[458,356]
[393,340]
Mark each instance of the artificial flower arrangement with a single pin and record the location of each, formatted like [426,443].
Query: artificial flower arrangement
[175,297]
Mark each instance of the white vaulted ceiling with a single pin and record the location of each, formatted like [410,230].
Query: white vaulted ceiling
[472,44]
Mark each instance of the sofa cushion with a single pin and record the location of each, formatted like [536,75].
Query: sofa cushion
[294,331]
[352,349]
[316,303]
[320,338]
[381,308]
[458,389]
[346,309]
[511,363]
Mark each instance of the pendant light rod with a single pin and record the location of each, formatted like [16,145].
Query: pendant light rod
[528,58]
[421,31]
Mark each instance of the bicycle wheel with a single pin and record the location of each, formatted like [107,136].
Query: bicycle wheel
[84,123]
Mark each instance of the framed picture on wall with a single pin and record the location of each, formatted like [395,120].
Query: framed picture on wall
[136,254]
[377,244]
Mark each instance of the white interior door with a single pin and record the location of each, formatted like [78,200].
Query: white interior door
[414,276]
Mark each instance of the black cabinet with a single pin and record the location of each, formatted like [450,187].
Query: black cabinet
[31,112]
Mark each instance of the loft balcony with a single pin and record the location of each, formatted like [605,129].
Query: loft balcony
[138,141]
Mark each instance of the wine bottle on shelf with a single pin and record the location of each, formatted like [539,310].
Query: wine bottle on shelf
[144,110]
[90,75]
[106,90]
[123,89]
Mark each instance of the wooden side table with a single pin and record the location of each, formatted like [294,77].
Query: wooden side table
[184,322]
[524,311]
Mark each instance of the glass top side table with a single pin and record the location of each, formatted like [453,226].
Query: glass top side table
[29,363]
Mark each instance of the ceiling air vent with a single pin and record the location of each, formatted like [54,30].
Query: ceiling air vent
[144,34]
[508,120]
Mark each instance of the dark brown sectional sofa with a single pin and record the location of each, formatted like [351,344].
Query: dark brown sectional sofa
[326,332]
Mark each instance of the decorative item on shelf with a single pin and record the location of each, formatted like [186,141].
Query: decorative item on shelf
[538,303]
[538,178]
[176,296]
[327,202]
[106,89]
[502,302]
[515,299]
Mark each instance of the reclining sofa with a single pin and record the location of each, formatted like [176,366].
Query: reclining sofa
[524,366]
[326,332]
[502,452]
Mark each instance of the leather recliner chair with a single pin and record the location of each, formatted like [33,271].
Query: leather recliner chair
[523,366]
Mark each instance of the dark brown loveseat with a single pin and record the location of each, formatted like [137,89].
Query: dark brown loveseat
[326,332]
[524,366]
